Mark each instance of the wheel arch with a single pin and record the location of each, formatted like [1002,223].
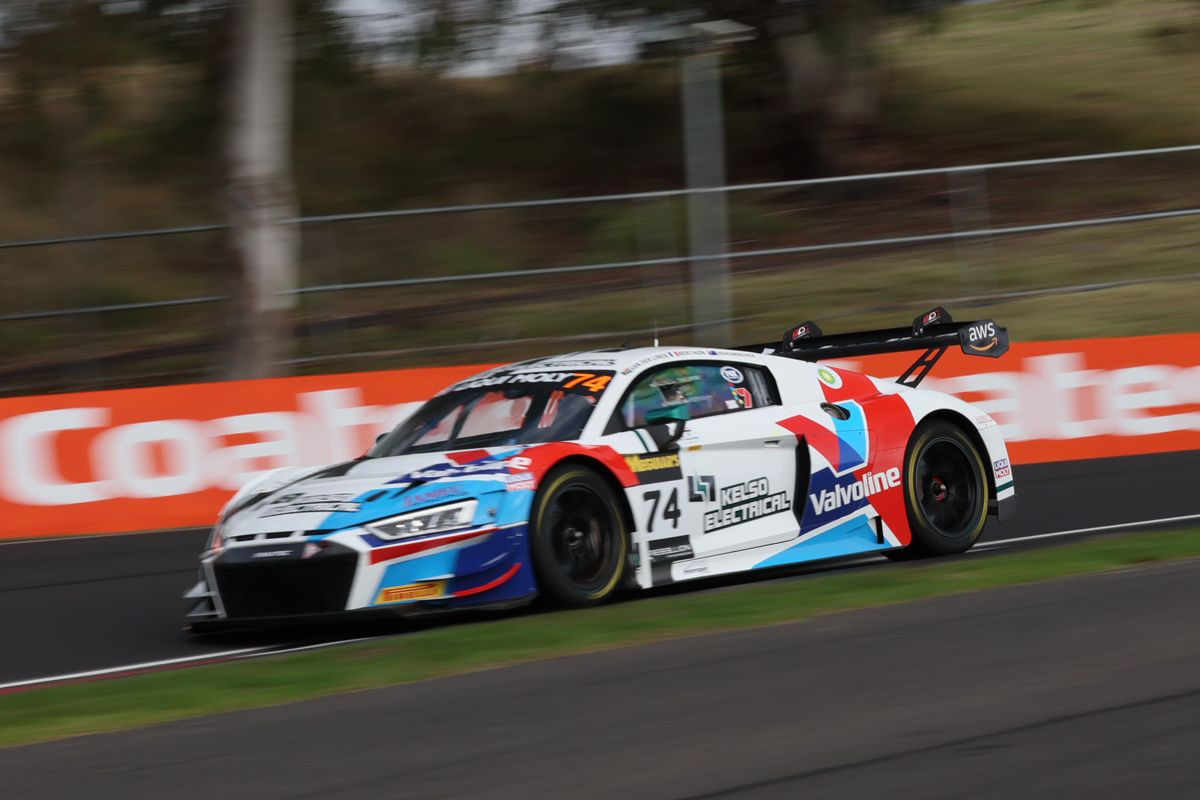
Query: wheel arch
[601,469]
[960,421]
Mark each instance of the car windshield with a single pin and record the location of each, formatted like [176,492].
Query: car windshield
[492,412]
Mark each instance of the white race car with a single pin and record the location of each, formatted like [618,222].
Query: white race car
[574,475]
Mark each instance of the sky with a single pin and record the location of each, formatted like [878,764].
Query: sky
[581,43]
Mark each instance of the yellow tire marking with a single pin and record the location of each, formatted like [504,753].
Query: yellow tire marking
[621,538]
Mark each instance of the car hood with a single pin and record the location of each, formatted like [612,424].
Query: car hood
[367,489]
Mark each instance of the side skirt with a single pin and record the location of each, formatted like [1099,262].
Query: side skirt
[855,535]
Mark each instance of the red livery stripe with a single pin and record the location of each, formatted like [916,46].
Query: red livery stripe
[468,456]
[408,548]
[492,584]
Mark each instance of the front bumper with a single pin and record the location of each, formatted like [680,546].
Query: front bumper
[294,579]
[351,576]
[284,579]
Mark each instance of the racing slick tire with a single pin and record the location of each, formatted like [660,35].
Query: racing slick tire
[945,491]
[579,541]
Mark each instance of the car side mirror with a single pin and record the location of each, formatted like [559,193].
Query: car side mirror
[666,425]
[381,437]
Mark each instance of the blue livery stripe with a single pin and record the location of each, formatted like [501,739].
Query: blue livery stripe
[852,437]
[416,570]
[849,538]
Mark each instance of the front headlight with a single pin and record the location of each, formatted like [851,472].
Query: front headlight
[438,519]
[216,539]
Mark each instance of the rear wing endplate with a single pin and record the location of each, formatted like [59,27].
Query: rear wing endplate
[934,332]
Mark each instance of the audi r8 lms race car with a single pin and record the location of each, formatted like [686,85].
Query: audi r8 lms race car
[573,476]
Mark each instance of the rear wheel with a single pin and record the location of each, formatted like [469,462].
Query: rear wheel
[579,541]
[946,491]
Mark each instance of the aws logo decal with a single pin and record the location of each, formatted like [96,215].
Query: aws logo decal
[982,337]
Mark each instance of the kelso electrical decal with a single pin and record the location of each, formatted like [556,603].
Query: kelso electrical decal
[745,502]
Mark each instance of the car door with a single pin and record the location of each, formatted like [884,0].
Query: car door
[737,466]
[834,428]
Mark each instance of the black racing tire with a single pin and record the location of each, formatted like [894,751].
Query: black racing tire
[578,538]
[945,491]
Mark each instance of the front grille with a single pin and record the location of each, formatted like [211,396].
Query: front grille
[284,586]
[250,537]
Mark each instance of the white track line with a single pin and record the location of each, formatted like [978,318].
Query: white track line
[317,646]
[1098,529]
[87,537]
[250,652]
[97,673]
[220,655]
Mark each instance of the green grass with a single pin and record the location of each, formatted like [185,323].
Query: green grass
[1055,76]
[457,648]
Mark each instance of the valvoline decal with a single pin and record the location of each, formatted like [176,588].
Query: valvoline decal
[866,451]
[832,497]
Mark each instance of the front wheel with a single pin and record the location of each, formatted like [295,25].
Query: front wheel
[946,491]
[579,542]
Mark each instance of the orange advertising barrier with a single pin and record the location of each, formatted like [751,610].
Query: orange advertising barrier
[142,459]
[170,456]
[1079,398]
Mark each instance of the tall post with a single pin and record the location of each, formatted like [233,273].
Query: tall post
[970,213]
[708,225]
[264,247]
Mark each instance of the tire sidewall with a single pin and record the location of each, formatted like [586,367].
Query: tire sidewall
[550,580]
[927,540]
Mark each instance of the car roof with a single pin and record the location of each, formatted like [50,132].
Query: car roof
[630,359]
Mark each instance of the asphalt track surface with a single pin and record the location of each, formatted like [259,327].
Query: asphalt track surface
[1084,687]
[79,605]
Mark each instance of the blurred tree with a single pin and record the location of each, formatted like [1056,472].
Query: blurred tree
[816,61]
[60,53]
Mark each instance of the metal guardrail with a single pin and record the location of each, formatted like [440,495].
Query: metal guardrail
[958,235]
[75,312]
[771,251]
[607,198]
[965,300]
[647,262]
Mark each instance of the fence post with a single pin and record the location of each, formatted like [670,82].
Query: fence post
[708,225]
[970,211]
[662,288]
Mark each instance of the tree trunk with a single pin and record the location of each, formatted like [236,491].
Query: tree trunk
[831,81]
[807,74]
[856,96]
[259,193]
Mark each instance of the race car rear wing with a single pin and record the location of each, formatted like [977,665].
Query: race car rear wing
[934,332]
